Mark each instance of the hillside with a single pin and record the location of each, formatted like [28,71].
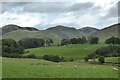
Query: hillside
[56,33]
[65,32]
[12,27]
[74,51]
[88,30]
[19,34]
[107,32]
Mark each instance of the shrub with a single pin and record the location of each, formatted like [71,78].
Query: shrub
[14,55]
[109,51]
[53,58]
[10,48]
[31,42]
[113,40]
[86,59]
[101,59]
[71,60]
[31,56]
[94,40]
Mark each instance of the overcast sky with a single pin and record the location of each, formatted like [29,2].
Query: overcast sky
[71,13]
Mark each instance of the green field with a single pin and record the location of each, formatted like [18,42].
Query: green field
[112,59]
[77,51]
[36,68]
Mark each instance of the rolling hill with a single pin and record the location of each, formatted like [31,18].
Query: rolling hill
[88,30]
[12,27]
[107,32]
[56,33]
[65,32]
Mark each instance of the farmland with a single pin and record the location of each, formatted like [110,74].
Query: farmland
[74,51]
[112,59]
[36,68]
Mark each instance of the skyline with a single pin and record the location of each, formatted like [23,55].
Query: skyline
[73,13]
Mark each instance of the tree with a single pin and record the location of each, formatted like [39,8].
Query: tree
[94,40]
[49,42]
[86,59]
[31,42]
[10,48]
[74,41]
[65,42]
[101,59]
[84,39]
[113,40]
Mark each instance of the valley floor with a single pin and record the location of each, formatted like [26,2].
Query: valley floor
[36,68]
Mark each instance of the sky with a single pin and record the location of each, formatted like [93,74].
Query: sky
[43,14]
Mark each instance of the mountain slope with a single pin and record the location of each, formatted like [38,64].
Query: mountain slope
[12,27]
[56,33]
[65,32]
[108,31]
[88,30]
[19,34]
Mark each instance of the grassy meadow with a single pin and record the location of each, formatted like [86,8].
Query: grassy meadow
[74,51]
[112,59]
[36,68]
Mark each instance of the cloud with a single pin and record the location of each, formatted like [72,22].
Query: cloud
[12,6]
[47,7]
[113,11]
[73,13]
[22,19]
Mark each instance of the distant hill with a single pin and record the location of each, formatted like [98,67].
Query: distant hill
[56,33]
[20,34]
[107,32]
[88,30]
[65,32]
[12,27]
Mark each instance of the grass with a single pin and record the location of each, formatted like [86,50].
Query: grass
[34,68]
[112,59]
[77,51]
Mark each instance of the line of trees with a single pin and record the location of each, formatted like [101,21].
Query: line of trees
[10,48]
[113,40]
[82,40]
[13,49]
[113,50]
[31,42]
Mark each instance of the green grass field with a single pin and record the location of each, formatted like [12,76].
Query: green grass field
[108,60]
[34,68]
[112,59]
[78,51]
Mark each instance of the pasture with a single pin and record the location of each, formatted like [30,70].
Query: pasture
[73,51]
[112,59]
[37,68]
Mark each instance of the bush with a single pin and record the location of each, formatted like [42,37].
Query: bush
[86,59]
[94,40]
[53,58]
[113,40]
[101,59]
[14,55]
[109,51]
[10,48]
[31,56]
[31,42]
[71,60]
